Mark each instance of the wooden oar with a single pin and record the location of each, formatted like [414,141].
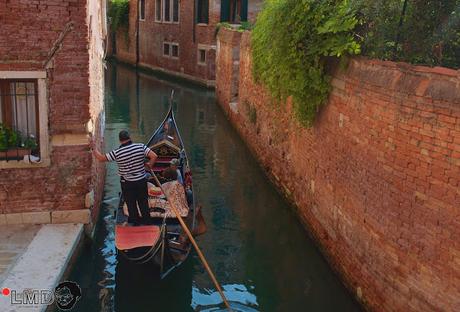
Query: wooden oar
[192,240]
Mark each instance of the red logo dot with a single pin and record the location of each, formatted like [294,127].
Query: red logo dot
[6,291]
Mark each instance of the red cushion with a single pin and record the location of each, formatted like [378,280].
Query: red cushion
[128,237]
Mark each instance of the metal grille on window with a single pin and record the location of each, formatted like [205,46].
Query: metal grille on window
[23,102]
[18,119]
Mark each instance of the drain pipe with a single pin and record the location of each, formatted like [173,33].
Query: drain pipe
[137,33]
[194,19]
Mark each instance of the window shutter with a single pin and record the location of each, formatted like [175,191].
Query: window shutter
[225,10]
[244,10]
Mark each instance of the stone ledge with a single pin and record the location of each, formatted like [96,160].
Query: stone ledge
[45,217]
[71,216]
[25,218]
[43,263]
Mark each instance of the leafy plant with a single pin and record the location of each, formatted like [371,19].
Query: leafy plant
[291,42]
[118,14]
[30,143]
[9,138]
[3,137]
[420,32]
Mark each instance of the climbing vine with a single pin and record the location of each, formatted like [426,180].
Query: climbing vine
[290,44]
[118,14]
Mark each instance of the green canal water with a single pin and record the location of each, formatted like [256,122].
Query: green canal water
[260,253]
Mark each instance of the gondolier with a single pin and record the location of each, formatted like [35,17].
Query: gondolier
[131,168]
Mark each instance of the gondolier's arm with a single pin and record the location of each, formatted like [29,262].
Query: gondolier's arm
[96,153]
[152,158]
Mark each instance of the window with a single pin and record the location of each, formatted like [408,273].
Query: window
[175,11]
[166,49]
[142,10]
[234,11]
[202,12]
[19,117]
[175,50]
[158,10]
[201,56]
[171,49]
[167,11]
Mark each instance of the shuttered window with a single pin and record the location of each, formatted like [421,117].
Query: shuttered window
[234,11]
[202,12]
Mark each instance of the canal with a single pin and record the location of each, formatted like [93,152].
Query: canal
[256,246]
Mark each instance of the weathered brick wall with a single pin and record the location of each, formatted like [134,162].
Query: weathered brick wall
[189,35]
[54,36]
[376,179]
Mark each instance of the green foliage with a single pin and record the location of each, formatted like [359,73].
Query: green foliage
[429,33]
[240,27]
[10,138]
[30,143]
[290,44]
[118,14]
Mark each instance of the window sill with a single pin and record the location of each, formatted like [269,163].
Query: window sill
[202,24]
[202,64]
[21,164]
[162,22]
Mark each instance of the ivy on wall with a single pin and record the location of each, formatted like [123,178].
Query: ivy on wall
[290,44]
[118,14]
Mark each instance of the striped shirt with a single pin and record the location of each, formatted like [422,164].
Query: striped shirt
[130,159]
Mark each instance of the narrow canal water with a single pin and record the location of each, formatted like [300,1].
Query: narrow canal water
[256,246]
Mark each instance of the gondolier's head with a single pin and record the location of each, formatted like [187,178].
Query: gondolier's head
[123,136]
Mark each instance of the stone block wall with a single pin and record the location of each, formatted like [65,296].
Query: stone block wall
[375,180]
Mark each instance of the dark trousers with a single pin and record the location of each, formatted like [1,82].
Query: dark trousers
[135,193]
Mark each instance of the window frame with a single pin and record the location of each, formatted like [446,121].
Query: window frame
[43,137]
[197,14]
[141,10]
[5,97]
[205,56]
[171,44]
[170,13]
[160,10]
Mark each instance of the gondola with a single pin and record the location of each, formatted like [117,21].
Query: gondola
[163,242]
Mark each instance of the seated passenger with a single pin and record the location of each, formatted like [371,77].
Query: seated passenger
[169,174]
[174,165]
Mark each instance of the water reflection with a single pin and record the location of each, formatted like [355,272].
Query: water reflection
[257,248]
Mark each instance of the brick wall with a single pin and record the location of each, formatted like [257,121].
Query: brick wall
[189,35]
[63,38]
[375,180]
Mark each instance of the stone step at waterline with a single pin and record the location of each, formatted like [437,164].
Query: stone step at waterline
[42,264]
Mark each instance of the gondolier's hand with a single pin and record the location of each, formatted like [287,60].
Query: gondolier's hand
[91,144]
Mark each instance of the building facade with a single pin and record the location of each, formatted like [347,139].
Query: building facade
[179,36]
[51,103]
